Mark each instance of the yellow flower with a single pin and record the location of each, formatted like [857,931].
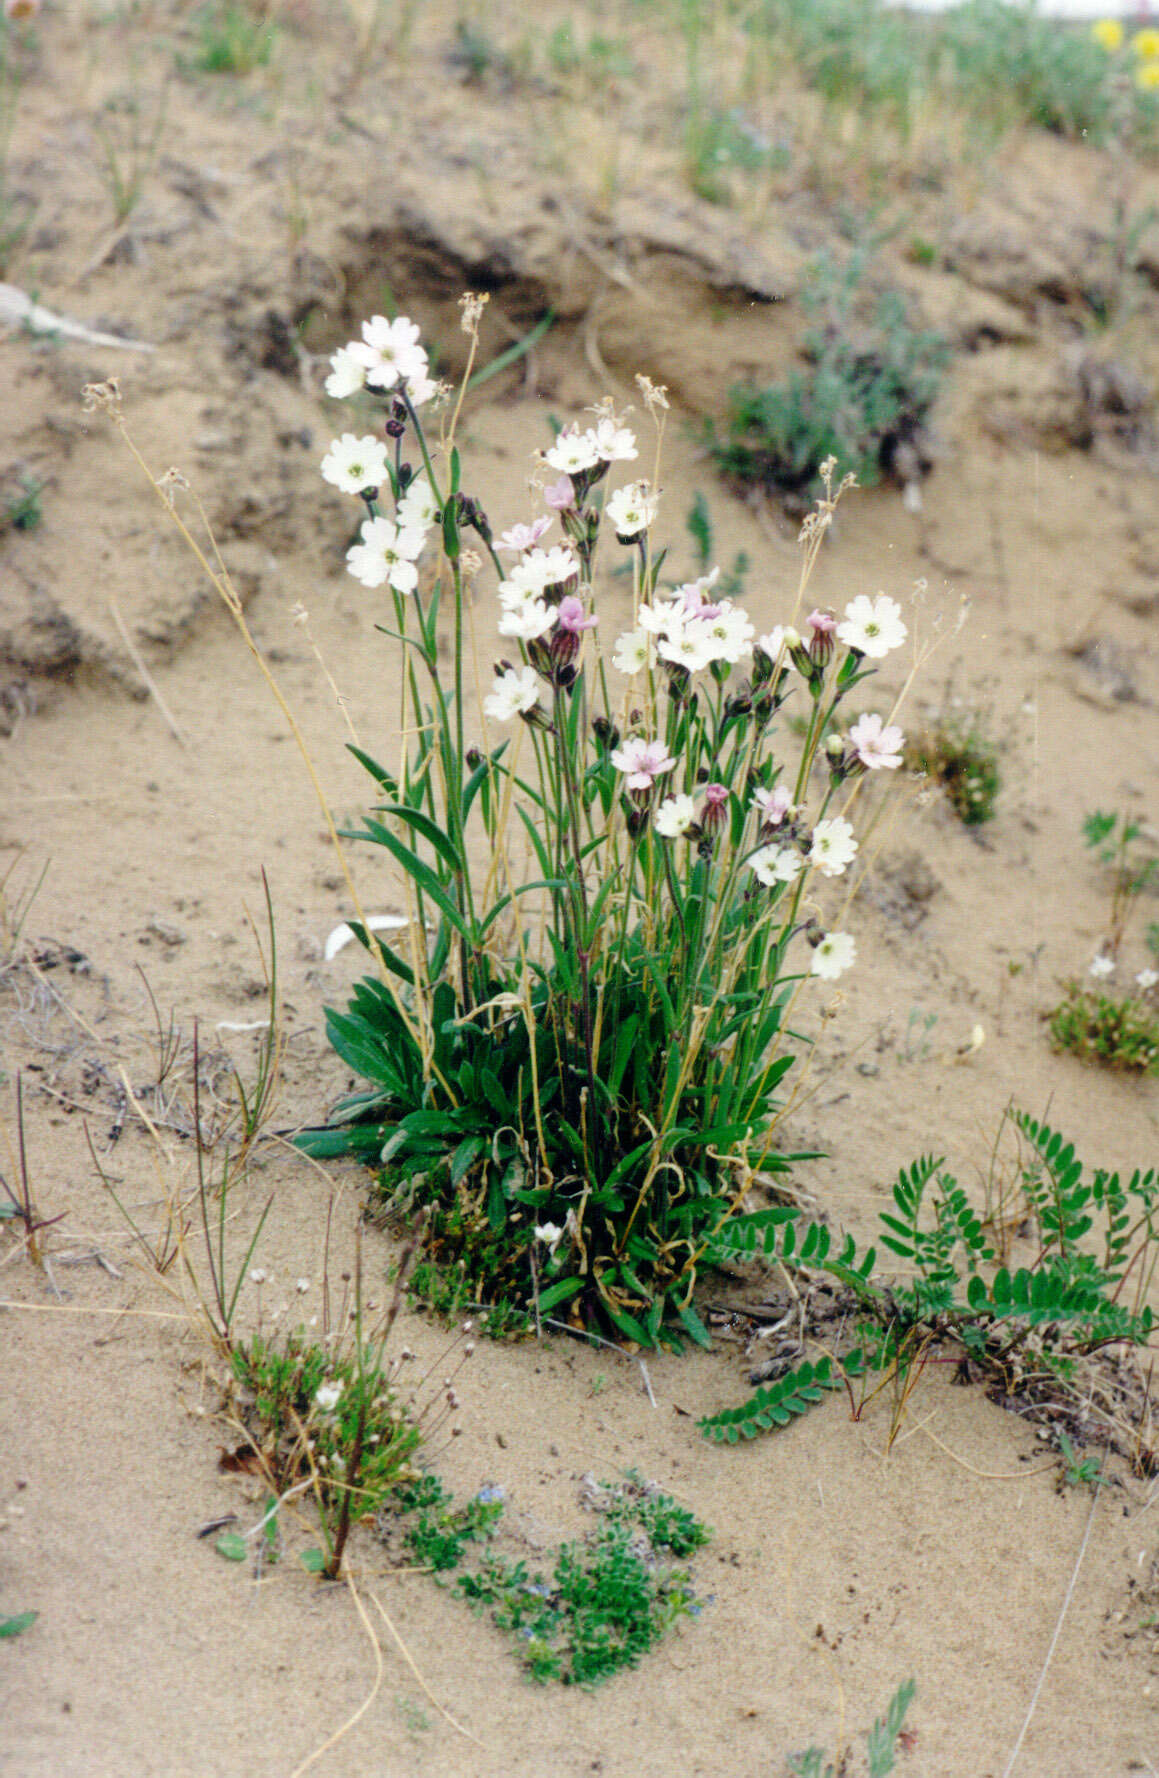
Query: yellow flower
[1108,33]
[1147,77]
[1146,44]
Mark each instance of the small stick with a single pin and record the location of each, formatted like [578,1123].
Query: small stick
[1057,1629]
[647,1381]
[333,1739]
[408,1658]
[150,682]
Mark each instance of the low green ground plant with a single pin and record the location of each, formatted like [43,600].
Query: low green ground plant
[1038,1325]
[865,391]
[881,1745]
[960,758]
[607,1599]
[233,38]
[1119,1031]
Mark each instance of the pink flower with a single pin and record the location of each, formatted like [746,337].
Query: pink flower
[876,743]
[643,761]
[774,805]
[523,537]
[715,806]
[572,616]
[821,626]
[560,495]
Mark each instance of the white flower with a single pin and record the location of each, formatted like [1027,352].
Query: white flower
[1146,979]
[352,464]
[775,864]
[632,509]
[1102,966]
[833,846]
[515,692]
[674,816]
[730,632]
[613,442]
[872,626]
[834,955]
[686,644]
[691,594]
[418,509]
[573,451]
[528,620]
[634,651]
[302,1286]
[348,373]
[390,352]
[540,569]
[327,1396]
[550,1233]
[387,553]
[258,1275]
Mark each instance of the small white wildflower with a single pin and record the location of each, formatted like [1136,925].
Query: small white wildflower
[1146,979]
[327,1396]
[390,352]
[550,1233]
[834,955]
[1102,966]
[631,509]
[872,626]
[387,553]
[527,621]
[515,692]
[834,846]
[347,374]
[539,570]
[302,1286]
[674,816]
[634,651]
[613,442]
[258,1275]
[731,632]
[352,464]
[573,452]
[418,508]
[775,864]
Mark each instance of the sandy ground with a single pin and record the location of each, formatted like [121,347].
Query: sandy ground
[278,209]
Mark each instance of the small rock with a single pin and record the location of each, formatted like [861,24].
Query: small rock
[868,1069]
[166,931]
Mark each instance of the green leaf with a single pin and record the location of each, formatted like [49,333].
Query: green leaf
[793,1394]
[16,1626]
[694,1325]
[232,1547]
[559,1293]
[416,868]
[424,825]
[313,1561]
[379,773]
